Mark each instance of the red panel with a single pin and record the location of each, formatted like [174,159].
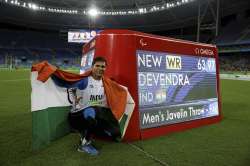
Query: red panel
[154,132]
[160,44]
[218,81]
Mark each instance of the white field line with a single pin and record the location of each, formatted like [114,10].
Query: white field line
[148,155]
[241,77]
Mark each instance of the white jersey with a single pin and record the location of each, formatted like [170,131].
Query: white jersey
[92,95]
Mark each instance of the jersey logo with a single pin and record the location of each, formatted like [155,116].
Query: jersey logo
[96,97]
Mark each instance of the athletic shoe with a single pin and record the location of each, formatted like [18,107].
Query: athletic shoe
[88,148]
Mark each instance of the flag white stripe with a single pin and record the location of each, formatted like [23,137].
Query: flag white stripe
[47,94]
[128,110]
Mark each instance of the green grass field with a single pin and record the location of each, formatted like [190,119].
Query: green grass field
[223,144]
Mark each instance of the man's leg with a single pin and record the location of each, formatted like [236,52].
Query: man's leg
[76,121]
[107,123]
[89,116]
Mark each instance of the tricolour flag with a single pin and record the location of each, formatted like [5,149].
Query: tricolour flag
[50,105]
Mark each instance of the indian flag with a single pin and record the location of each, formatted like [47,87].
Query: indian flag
[50,105]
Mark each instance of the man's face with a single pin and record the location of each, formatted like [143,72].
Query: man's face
[98,69]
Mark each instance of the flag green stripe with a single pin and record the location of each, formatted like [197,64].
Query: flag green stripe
[123,122]
[48,125]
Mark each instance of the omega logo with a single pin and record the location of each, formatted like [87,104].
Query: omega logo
[203,51]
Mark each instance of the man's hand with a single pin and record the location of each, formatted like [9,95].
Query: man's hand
[78,100]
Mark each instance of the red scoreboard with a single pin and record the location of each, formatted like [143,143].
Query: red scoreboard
[174,83]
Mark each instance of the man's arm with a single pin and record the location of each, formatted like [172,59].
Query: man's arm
[82,84]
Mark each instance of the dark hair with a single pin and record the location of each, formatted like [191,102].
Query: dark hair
[99,59]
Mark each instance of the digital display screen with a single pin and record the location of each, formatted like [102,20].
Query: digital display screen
[175,88]
[81,36]
[86,61]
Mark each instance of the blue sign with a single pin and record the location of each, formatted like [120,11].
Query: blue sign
[175,88]
[81,36]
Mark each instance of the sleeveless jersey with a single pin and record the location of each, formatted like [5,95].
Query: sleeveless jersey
[92,95]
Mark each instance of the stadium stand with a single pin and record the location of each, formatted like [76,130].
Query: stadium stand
[236,32]
[234,43]
[27,47]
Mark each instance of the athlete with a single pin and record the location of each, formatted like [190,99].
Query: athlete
[91,114]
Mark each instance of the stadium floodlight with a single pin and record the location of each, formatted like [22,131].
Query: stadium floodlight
[93,12]
[33,6]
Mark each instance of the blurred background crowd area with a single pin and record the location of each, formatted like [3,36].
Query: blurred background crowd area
[21,46]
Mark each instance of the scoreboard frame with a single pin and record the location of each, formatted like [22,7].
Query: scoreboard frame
[119,48]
